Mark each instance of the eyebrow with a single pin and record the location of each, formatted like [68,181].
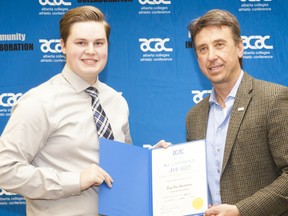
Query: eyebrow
[220,40]
[215,41]
[97,39]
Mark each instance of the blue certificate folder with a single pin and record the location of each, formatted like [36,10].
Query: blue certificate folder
[129,166]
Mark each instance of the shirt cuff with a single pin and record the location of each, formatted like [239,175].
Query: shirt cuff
[71,184]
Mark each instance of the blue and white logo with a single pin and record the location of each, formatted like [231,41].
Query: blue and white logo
[52,46]
[155,45]
[54,2]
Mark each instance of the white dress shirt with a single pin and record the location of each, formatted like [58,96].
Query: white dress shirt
[50,137]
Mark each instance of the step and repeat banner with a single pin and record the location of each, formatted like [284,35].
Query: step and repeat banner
[151,59]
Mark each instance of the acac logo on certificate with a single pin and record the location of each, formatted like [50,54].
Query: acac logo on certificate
[157,182]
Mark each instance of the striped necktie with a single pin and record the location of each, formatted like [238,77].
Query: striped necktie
[102,124]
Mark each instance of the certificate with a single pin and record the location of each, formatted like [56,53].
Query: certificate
[157,182]
[179,185]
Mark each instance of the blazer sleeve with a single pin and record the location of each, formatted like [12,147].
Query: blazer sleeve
[273,199]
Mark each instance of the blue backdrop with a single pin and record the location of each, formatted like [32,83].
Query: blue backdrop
[150,57]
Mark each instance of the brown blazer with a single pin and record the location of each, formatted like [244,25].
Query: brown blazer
[255,164]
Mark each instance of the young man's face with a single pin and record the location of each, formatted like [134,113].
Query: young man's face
[86,49]
[217,54]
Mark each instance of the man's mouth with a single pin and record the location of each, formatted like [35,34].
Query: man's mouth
[215,68]
[89,61]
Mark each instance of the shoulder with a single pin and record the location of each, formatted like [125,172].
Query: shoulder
[263,86]
[265,90]
[45,90]
[265,96]
[198,113]
[42,95]
[268,85]
[260,90]
[202,106]
[109,94]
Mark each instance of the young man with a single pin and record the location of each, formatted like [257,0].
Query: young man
[244,122]
[49,149]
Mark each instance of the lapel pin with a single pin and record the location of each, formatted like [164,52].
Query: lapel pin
[241,109]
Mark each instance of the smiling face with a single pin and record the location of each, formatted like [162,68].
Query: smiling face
[86,49]
[218,55]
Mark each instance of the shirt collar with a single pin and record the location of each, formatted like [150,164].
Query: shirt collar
[75,80]
[232,93]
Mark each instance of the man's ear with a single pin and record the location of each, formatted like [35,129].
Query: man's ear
[63,46]
[240,48]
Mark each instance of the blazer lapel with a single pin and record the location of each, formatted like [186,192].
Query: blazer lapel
[203,119]
[243,97]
